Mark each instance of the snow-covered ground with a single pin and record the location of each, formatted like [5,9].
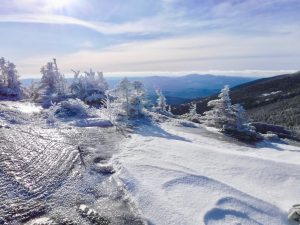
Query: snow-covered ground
[175,172]
[47,173]
[182,175]
[24,107]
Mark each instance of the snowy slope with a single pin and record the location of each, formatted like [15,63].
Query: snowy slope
[58,174]
[181,175]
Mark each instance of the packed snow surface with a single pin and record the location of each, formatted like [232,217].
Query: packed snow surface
[48,173]
[184,175]
[24,107]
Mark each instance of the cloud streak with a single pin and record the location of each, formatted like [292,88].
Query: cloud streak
[189,53]
[153,25]
[54,19]
[181,36]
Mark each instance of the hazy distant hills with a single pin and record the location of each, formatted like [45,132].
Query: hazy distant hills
[180,89]
[275,100]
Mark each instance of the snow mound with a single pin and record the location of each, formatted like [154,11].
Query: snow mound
[18,112]
[72,108]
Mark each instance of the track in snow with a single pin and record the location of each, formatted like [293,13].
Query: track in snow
[51,172]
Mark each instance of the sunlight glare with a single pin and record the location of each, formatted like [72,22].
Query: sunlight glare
[57,4]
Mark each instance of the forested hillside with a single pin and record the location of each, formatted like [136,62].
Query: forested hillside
[272,100]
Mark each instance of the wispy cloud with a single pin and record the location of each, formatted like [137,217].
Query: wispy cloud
[57,19]
[179,36]
[159,24]
[188,53]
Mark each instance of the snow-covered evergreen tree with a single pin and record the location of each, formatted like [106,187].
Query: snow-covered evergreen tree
[170,109]
[53,84]
[232,119]
[193,110]
[138,87]
[137,99]
[192,114]
[161,100]
[10,86]
[241,120]
[89,87]
[124,90]
[12,77]
[130,98]
[240,116]
[221,113]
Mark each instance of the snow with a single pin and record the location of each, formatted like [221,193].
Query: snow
[18,112]
[24,107]
[58,168]
[271,93]
[185,175]
[92,122]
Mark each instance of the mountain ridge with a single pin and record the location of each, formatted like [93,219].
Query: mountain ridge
[273,100]
[178,89]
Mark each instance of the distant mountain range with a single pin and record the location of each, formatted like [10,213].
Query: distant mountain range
[179,89]
[274,100]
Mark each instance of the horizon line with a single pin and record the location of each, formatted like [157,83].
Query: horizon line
[237,73]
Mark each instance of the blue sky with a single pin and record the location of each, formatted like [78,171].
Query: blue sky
[142,37]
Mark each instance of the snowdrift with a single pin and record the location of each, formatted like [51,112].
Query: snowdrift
[184,175]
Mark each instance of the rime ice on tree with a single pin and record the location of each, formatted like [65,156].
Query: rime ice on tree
[130,98]
[53,84]
[10,86]
[161,100]
[221,112]
[89,87]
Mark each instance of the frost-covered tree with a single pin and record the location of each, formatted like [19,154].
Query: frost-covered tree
[12,77]
[232,119]
[193,110]
[161,100]
[89,87]
[137,99]
[124,89]
[221,113]
[240,116]
[138,87]
[170,109]
[109,110]
[10,86]
[241,120]
[240,127]
[130,98]
[53,84]
[192,114]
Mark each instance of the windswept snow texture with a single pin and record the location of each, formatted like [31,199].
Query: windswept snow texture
[48,172]
[183,175]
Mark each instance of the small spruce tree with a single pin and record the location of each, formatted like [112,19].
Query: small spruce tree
[161,100]
[221,113]
[10,86]
[90,87]
[53,84]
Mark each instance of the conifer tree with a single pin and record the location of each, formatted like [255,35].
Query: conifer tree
[161,100]
[221,113]
[10,86]
[53,84]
